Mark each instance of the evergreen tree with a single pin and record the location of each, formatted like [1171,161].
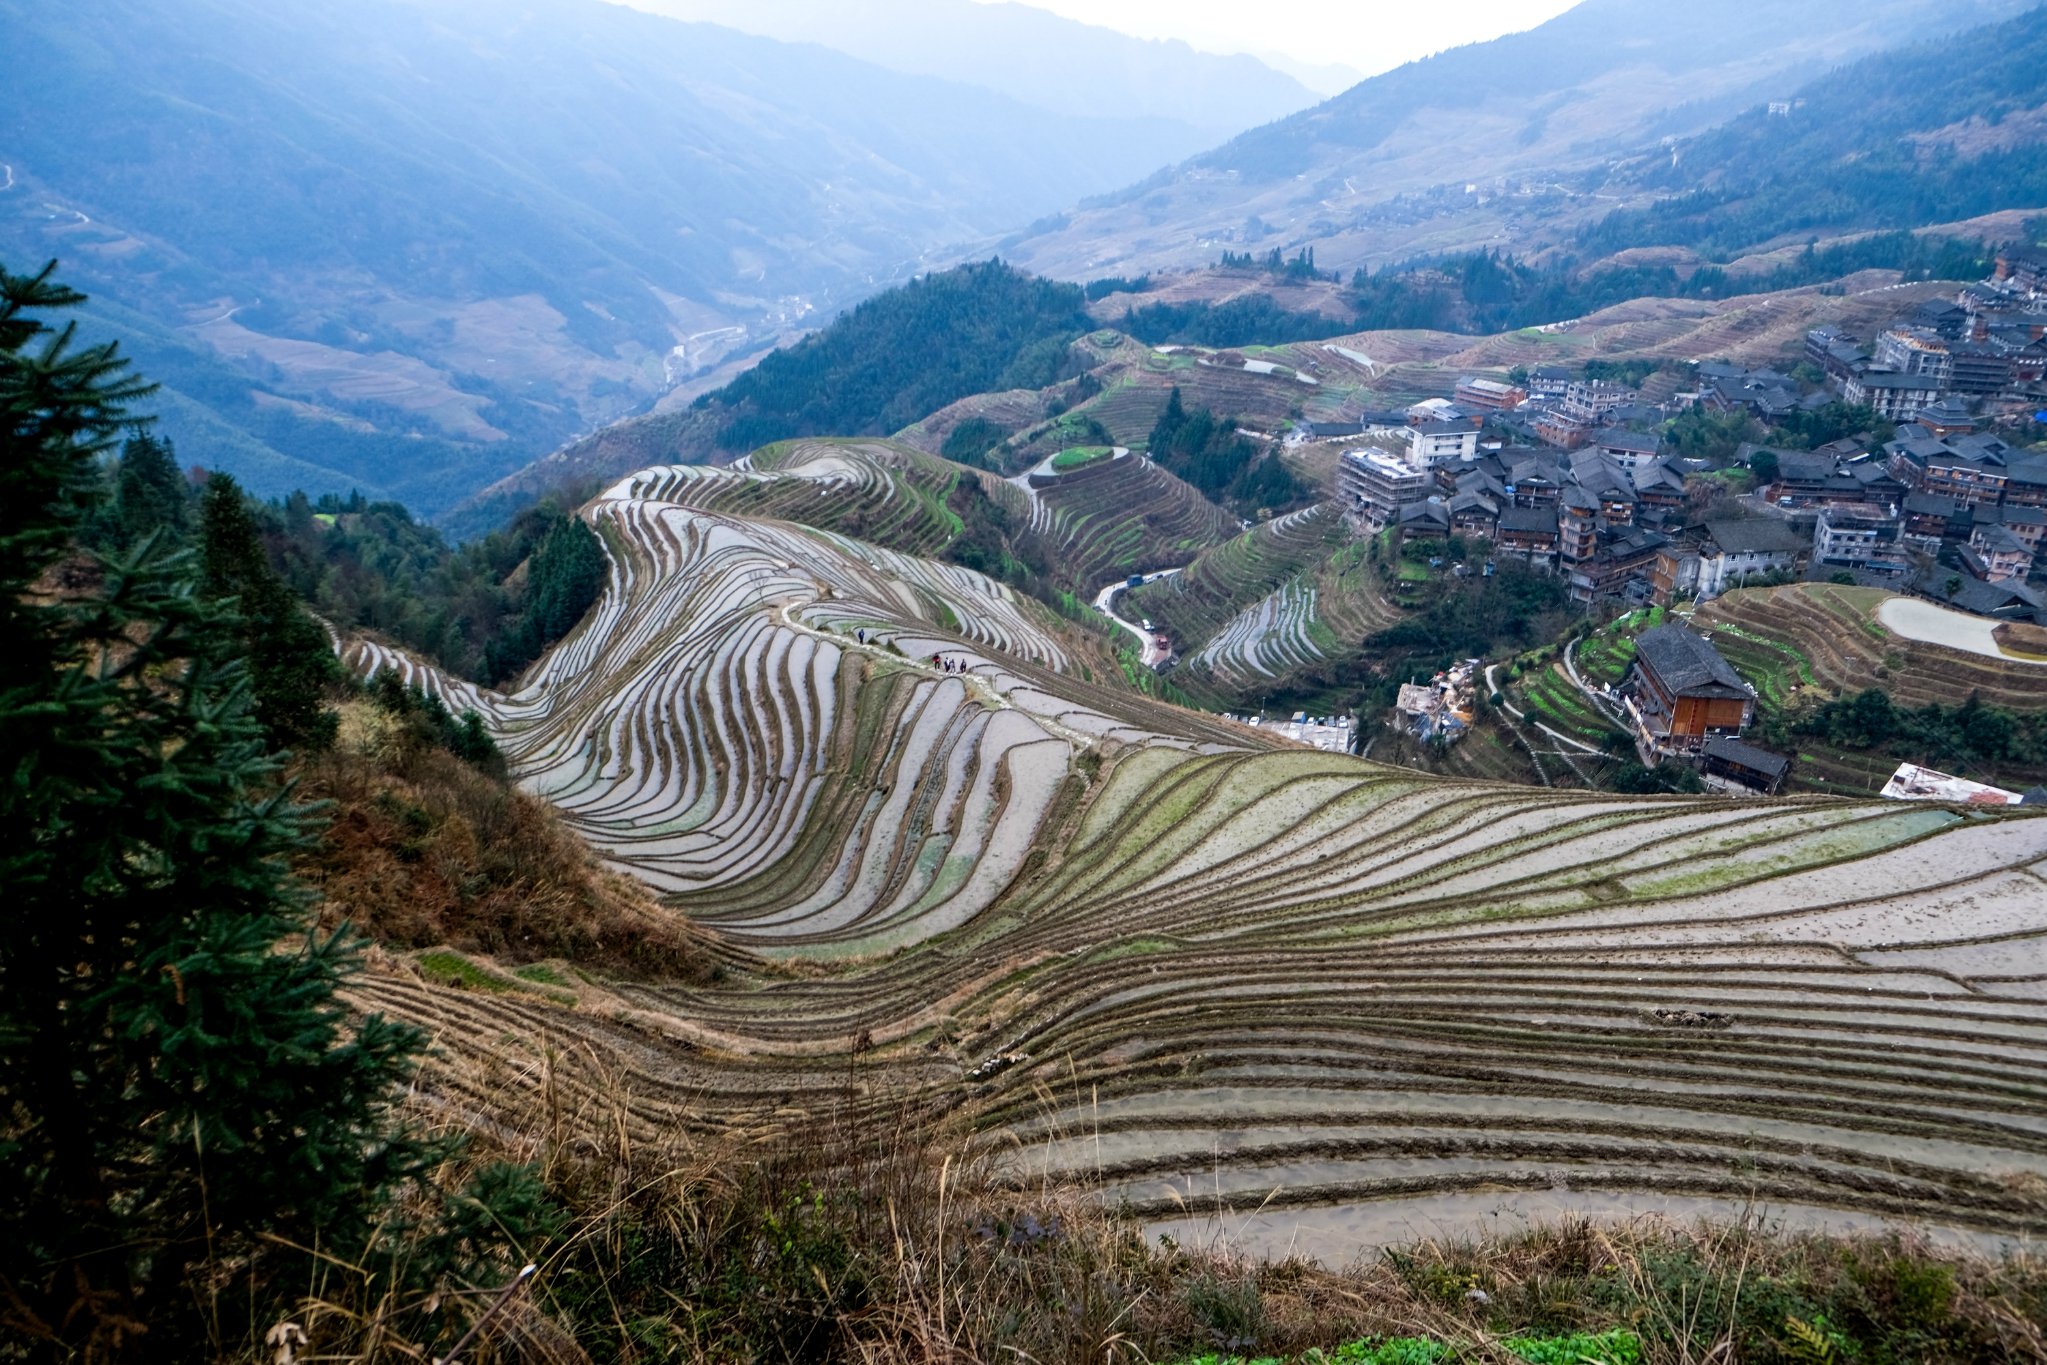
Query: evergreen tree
[177,1095]
[563,580]
[567,577]
[1168,425]
[149,493]
[290,660]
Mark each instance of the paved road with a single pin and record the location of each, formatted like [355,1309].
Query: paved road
[1936,625]
[1153,655]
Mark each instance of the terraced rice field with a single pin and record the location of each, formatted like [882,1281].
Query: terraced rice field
[1280,597]
[1266,639]
[1128,945]
[1115,517]
[878,490]
[1834,633]
[1195,604]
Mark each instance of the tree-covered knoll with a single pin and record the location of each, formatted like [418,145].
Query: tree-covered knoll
[972,441]
[369,566]
[1516,606]
[907,353]
[359,565]
[1227,467]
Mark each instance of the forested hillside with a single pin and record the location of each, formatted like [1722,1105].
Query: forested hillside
[1931,133]
[906,353]
[1462,148]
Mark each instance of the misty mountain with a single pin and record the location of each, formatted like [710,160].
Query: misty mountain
[1029,55]
[407,245]
[1936,132]
[1447,152]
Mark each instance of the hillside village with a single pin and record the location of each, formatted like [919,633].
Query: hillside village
[1568,473]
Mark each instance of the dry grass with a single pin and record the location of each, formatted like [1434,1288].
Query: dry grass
[913,1243]
[422,849]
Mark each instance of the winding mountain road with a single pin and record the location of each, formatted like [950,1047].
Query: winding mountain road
[1153,656]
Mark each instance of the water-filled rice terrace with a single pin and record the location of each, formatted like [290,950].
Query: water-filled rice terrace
[1140,950]
[1113,517]
[1283,596]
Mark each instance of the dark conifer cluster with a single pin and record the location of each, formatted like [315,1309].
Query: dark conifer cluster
[906,353]
[1210,454]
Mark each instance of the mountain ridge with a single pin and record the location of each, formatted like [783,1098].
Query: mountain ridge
[1026,54]
[1525,105]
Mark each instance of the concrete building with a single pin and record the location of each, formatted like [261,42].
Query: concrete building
[1489,394]
[1916,351]
[1896,397]
[1375,484]
[1996,555]
[1434,444]
[1865,536]
[1718,556]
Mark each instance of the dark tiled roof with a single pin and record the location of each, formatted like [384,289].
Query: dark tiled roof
[1635,542]
[1755,535]
[1529,519]
[1804,467]
[1640,442]
[1429,513]
[1919,449]
[1978,595]
[1995,537]
[1980,445]
[1730,750]
[1658,475]
[2029,470]
[1687,664]
[1885,379]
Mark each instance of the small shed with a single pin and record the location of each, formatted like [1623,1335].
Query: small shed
[1744,764]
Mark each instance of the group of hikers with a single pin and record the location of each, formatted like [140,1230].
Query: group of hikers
[944,663]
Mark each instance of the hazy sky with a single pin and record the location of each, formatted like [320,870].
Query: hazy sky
[1368,35]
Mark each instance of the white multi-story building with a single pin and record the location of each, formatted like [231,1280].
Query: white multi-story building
[1896,397]
[1725,554]
[1914,350]
[1435,444]
[1862,536]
